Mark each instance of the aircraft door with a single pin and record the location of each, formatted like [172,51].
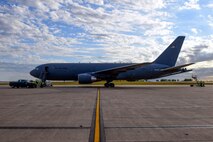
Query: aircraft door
[44,73]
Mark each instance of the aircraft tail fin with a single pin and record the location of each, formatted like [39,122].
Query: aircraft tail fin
[170,55]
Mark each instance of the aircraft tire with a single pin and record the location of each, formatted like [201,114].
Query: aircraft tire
[109,85]
[112,85]
[106,85]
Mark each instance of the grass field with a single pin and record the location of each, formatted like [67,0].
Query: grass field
[4,83]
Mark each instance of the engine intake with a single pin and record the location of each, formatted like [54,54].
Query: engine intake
[86,78]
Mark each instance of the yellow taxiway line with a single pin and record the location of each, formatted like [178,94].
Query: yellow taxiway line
[97,133]
[97,119]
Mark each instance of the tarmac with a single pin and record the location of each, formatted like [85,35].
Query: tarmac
[130,113]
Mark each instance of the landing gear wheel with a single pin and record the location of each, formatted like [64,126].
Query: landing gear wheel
[112,85]
[106,85]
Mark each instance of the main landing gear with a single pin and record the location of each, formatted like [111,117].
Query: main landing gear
[109,85]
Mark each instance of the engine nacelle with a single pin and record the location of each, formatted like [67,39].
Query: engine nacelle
[86,78]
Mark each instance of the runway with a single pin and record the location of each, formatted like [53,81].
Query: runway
[130,113]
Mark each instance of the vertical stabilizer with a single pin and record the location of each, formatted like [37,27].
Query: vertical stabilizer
[170,55]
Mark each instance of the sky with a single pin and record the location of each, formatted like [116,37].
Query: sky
[34,32]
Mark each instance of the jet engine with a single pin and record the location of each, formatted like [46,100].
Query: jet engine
[86,78]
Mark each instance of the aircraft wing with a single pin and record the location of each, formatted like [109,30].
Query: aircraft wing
[175,70]
[174,73]
[176,67]
[117,70]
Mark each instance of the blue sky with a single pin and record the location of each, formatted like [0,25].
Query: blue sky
[34,32]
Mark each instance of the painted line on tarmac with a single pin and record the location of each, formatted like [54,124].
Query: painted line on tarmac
[163,127]
[41,127]
[97,133]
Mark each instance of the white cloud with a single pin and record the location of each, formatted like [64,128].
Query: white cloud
[144,5]
[210,20]
[197,49]
[210,5]
[36,31]
[191,4]
[98,2]
[194,30]
[11,71]
[203,65]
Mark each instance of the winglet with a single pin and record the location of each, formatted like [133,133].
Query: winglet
[170,55]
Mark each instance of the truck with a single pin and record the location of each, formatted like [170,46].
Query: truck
[198,83]
[23,84]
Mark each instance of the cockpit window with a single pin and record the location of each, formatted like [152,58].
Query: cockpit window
[36,69]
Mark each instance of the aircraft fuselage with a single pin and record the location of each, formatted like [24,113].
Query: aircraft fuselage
[70,71]
[87,73]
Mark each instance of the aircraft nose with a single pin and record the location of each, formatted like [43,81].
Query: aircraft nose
[33,72]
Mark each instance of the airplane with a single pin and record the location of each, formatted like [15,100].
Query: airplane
[86,73]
